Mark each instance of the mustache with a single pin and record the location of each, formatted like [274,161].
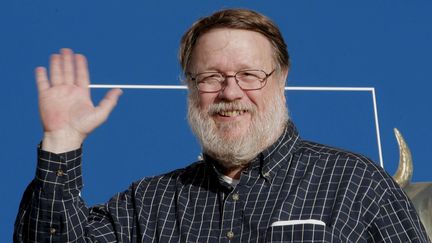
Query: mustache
[231,106]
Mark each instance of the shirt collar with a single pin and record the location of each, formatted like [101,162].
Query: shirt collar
[268,162]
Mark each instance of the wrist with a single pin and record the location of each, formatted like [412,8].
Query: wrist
[60,142]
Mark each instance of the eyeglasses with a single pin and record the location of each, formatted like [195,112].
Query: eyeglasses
[215,81]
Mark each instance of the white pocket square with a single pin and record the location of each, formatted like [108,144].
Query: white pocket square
[298,221]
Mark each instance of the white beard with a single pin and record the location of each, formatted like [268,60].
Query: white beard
[233,152]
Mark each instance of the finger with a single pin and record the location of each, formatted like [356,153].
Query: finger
[107,104]
[41,79]
[68,66]
[56,74]
[82,74]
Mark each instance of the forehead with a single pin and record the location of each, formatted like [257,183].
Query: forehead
[225,49]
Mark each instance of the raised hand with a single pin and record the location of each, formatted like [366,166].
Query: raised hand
[67,111]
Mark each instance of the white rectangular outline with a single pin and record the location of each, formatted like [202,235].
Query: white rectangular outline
[298,88]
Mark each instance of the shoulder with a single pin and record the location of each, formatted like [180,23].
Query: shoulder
[357,181]
[348,167]
[325,151]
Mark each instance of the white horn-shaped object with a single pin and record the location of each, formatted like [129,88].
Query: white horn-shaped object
[404,172]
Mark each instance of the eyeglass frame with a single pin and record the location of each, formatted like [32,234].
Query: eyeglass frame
[225,76]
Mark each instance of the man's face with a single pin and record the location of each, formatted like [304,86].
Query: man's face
[235,117]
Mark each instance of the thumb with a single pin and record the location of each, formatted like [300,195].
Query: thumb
[107,104]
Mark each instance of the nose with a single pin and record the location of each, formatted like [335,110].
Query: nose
[231,91]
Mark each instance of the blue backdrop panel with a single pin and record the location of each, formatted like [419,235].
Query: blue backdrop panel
[384,44]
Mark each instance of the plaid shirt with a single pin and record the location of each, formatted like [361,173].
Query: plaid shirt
[294,191]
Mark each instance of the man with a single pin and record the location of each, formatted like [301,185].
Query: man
[257,182]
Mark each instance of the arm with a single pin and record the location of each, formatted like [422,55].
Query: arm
[53,211]
[396,219]
[51,208]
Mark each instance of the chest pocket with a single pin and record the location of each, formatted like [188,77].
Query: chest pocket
[300,233]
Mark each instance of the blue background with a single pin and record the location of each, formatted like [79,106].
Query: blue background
[381,44]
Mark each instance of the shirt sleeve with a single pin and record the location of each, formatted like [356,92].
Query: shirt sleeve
[52,210]
[397,219]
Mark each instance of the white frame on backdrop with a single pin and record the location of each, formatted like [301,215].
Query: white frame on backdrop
[298,88]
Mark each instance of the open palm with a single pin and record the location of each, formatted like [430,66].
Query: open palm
[67,111]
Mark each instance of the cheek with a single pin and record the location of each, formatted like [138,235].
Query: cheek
[258,100]
[263,98]
[205,100]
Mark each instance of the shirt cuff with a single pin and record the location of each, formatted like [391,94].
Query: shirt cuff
[59,170]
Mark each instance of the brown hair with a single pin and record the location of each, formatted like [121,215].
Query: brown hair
[236,19]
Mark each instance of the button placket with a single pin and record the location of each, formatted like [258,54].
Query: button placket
[232,215]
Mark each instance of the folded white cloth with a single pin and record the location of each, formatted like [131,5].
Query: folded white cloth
[298,221]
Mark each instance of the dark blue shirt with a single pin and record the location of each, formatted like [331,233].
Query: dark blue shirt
[294,191]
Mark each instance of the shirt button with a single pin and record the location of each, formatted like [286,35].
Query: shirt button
[235,196]
[60,173]
[52,231]
[266,174]
[230,235]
